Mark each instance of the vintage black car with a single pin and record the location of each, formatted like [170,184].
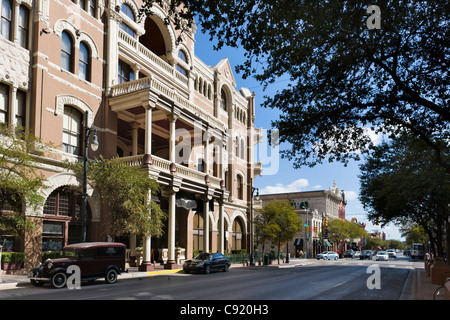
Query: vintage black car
[95,260]
[206,262]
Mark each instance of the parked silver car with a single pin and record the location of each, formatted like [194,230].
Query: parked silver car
[327,255]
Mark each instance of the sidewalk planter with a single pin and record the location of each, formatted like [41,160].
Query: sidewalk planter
[437,270]
[12,260]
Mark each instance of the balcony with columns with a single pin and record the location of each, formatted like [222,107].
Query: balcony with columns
[149,115]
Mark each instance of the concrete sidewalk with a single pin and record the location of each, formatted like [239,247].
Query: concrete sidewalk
[418,285]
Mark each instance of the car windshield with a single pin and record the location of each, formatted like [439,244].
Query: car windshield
[70,252]
[203,256]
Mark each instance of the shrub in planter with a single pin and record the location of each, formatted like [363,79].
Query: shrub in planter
[12,260]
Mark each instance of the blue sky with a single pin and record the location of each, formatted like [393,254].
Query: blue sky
[286,178]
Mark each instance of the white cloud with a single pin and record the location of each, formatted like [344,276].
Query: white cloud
[350,195]
[317,187]
[295,186]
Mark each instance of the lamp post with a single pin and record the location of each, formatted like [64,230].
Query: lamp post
[94,147]
[252,254]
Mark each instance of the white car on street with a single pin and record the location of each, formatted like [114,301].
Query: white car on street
[327,255]
[382,255]
[391,253]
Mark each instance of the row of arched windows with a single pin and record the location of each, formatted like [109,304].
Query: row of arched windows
[203,87]
[240,115]
[68,56]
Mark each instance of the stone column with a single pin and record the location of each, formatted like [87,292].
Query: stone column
[171,262]
[146,264]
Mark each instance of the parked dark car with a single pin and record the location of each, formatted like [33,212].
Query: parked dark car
[349,254]
[366,254]
[95,260]
[206,262]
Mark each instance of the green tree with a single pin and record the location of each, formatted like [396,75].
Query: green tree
[20,180]
[401,183]
[125,190]
[278,222]
[344,77]
[414,233]
[340,230]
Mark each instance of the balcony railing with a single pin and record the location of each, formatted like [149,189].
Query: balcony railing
[152,58]
[164,166]
[153,84]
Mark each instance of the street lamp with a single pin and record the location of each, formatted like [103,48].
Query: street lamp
[252,254]
[94,147]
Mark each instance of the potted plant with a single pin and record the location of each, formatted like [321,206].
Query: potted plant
[12,260]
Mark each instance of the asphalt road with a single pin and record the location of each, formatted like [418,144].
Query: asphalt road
[321,280]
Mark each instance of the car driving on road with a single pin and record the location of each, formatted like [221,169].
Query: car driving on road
[327,255]
[382,255]
[206,262]
[366,254]
[392,253]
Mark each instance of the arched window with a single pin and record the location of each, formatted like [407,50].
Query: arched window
[24,14]
[130,14]
[84,67]
[242,148]
[239,187]
[67,52]
[223,100]
[62,223]
[182,56]
[72,130]
[128,11]
[6,23]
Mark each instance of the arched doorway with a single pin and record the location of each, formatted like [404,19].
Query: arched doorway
[62,223]
[153,39]
[237,234]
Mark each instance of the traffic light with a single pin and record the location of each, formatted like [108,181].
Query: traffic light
[325,222]
[307,229]
[378,221]
[315,229]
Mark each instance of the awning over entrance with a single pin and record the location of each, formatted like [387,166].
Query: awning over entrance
[326,243]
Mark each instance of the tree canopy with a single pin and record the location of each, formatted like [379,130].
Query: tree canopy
[401,183]
[345,78]
[277,222]
[20,180]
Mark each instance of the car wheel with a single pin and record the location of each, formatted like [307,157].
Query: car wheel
[111,276]
[186,271]
[335,258]
[207,269]
[59,280]
[226,268]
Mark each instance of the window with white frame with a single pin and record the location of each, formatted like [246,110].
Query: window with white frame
[72,130]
